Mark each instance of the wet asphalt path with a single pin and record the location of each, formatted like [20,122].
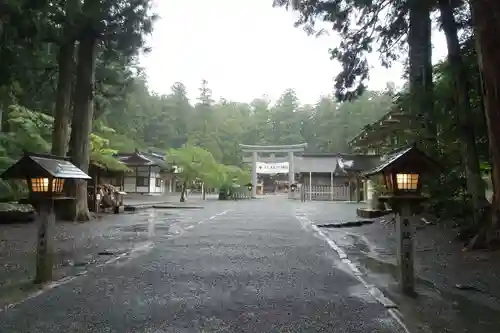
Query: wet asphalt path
[248,266]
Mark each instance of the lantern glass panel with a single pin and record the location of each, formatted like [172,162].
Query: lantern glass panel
[58,185]
[40,185]
[407,181]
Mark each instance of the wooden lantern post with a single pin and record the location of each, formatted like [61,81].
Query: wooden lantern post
[45,176]
[42,190]
[292,189]
[402,176]
[403,194]
[249,188]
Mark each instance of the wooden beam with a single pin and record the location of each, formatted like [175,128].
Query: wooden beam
[273,149]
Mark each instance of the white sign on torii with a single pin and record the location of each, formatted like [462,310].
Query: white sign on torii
[286,167]
[272,168]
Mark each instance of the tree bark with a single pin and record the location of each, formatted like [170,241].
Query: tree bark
[475,185]
[420,71]
[65,80]
[485,16]
[60,134]
[82,120]
[183,192]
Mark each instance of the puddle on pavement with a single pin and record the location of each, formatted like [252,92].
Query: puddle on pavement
[441,312]
[360,291]
[434,310]
[15,292]
[151,227]
[357,244]
[134,228]
[379,266]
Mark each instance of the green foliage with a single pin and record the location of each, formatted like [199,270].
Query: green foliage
[27,130]
[362,26]
[103,156]
[236,175]
[192,163]
[196,163]
[123,102]
[32,131]
[164,122]
[449,196]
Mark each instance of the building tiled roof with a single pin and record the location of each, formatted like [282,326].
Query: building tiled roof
[339,163]
[323,164]
[143,159]
[358,163]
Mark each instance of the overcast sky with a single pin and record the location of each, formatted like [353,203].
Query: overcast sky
[246,49]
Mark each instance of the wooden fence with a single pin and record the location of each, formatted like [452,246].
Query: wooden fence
[337,192]
[241,193]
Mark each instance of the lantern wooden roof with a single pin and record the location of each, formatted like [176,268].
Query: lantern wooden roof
[40,165]
[408,159]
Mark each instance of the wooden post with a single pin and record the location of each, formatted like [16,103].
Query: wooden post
[358,189]
[149,180]
[350,188]
[310,186]
[405,250]
[45,247]
[291,173]
[331,186]
[254,174]
[94,194]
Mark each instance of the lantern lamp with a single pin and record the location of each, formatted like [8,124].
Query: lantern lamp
[249,186]
[39,185]
[401,183]
[46,186]
[407,182]
[293,187]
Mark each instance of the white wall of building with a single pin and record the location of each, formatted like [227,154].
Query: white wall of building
[153,177]
[129,184]
[369,190]
[144,181]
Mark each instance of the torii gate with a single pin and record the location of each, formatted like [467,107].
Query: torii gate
[290,149]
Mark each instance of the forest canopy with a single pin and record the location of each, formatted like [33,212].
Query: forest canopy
[144,120]
[70,83]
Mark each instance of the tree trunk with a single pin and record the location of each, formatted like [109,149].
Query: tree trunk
[183,192]
[475,185]
[485,15]
[420,71]
[82,120]
[63,99]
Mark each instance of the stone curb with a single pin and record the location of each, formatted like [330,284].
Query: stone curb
[348,224]
[162,205]
[176,207]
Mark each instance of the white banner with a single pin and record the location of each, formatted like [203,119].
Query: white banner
[272,168]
